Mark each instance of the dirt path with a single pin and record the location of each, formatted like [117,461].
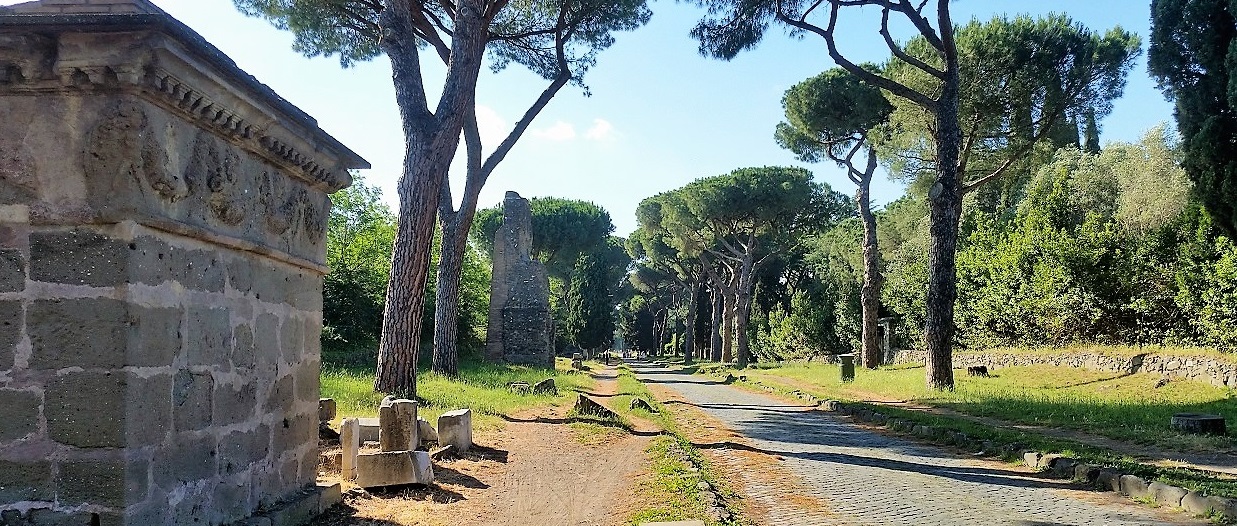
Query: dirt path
[1218,462]
[552,479]
[535,471]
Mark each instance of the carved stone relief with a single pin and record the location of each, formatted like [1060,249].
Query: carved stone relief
[17,175]
[212,172]
[25,57]
[290,209]
[122,146]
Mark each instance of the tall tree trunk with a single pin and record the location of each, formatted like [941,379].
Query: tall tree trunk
[715,325]
[689,338]
[430,143]
[945,210]
[728,326]
[447,294]
[743,305]
[872,279]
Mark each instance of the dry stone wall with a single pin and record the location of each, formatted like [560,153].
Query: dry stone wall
[162,221]
[1215,371]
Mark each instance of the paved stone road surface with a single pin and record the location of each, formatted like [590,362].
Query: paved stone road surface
[872,479]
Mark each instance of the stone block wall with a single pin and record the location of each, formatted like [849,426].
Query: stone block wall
[521,327]
[1217,372]
[162,222]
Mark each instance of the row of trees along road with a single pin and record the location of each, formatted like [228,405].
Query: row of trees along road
[557,39]
[970,104]
[718,233]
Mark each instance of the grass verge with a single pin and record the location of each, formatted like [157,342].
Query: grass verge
[1126,407]
[481,387]
[673,491]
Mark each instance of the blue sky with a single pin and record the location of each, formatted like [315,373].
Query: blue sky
[660,115]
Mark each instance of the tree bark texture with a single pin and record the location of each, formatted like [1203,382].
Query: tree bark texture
[689,337]
[872,279]
[945,210]
[715,326]
[743,308]
[447,294]
[431,140]
[728,326]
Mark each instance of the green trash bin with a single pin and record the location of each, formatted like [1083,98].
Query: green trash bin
[848,367]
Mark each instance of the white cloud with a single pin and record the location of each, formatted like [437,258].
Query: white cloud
[601,130]
[558,132]
[492,127]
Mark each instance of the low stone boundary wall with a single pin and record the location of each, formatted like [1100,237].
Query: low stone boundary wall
[1104,478]
[1215,371]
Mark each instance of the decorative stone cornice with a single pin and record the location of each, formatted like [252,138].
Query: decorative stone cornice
[161,60]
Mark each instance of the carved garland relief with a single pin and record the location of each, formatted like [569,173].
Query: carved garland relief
[122,147]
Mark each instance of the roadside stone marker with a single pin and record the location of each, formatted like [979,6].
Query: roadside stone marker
[163,219]
[349,441]
[455,428]
[398,423]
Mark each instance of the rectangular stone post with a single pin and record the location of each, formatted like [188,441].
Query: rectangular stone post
[350,441]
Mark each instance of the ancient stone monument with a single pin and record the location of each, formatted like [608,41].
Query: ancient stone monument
[520,328]
[396,461]
[162,223]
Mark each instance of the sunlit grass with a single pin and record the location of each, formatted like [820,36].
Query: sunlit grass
[481,387]
[1127,407]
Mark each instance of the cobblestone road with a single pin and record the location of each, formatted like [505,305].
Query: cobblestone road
[872,479]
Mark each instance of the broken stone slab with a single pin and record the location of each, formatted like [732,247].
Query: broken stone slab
[350,442]
[455,428]
[546,386]
[1199,424]
[425,431]
[398,425]
[390,468]
[519,387]
[1134,487]
[831,405]
[1086,472]
[640,403]
[327,409]
[1109,479]
[369,429]
[588,406]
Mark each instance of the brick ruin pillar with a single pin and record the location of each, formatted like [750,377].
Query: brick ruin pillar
[162,246]
[520,328]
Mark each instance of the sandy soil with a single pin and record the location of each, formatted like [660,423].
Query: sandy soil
[534,471]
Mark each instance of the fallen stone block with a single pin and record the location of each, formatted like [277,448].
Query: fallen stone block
[425,431]
[640,403]
[1109,480]
[398,420]
[588,406]
[1062,467]
[369,429]
[1166,495]
[1194,502]
[545,387]
[455,428]
[519,387]
[1134,487]
[831,405]
[390,468]
[326,409]
[1223,507]
[1031,459]
[1086,472]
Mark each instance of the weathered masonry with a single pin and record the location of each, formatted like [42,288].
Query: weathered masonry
[162,223]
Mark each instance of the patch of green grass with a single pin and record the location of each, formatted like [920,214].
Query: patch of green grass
[1120,406]
[481,387]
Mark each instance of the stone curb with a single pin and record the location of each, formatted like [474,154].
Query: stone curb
[1056,466]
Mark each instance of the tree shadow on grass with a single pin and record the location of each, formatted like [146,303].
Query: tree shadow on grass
[583,419]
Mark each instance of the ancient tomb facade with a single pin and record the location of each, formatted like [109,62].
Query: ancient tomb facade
[162,224]
[520,329]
